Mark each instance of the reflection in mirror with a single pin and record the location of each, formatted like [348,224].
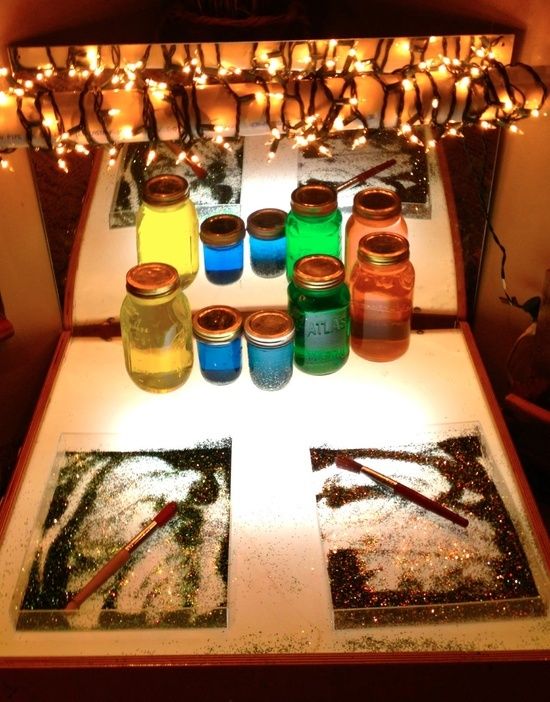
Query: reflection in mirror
[185,105]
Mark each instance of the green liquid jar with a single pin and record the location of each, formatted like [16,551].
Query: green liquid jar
[318,302]
[313,225]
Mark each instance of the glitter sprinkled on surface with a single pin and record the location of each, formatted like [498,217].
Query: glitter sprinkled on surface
[177,578]
[389,561]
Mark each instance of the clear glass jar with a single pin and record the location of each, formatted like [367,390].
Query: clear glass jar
[167,226]
[222,237]
[270,343]
[313,225]
[374,210]
[218,331]
[155,323]
[381,286]
[318,301]
[266,230]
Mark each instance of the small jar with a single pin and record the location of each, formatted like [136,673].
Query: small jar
[266,229]
[381,286]
[313,225]
[218,333]
[222,237]
[270,343]
[167,226]
[319,304]
[374,210]
[155,322]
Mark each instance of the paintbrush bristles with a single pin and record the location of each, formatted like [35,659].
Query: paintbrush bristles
[348,463]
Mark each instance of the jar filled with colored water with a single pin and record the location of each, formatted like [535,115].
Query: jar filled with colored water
[381,286]
[313,225]
[374,210]
[270,345]
[222,237]
[155,322]
[218,332]
[167,226]
[318,301]
[267,240]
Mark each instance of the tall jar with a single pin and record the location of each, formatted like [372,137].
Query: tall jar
[313,225]
[218,330]
[167,226]
[381,286]
[374,210]
[155,322]
[318,301]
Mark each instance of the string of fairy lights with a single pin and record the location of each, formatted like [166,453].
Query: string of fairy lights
[445,92]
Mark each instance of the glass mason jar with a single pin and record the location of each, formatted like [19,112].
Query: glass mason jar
[381,286]
[155,323]
[270,336]
[313,225]
[374,210]
[218,333]
[167,226]
[222,237]
[266,229]
[318,302]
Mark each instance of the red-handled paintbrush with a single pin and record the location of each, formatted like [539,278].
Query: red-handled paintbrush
[408,493]
[120,558]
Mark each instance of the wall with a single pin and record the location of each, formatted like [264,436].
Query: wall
[519,216]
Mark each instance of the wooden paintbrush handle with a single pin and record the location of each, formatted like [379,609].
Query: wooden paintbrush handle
[108,570]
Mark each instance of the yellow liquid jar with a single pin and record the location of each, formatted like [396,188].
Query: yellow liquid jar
[168,227]
[155,323]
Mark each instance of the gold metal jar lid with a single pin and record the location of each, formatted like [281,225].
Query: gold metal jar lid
[222,230]
[314,199]
[318,272]
[377,203]
[165,189]
[152,280]
[268,223]
[269,328]
[217,323]
[383,248]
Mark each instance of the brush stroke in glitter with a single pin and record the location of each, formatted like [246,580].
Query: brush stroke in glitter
[177,579]
[389,561]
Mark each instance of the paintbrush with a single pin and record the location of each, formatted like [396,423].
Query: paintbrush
[365,175]
[120,558]
[408,493]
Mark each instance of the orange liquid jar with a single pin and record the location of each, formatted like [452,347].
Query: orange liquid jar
[381,288]
[374,210]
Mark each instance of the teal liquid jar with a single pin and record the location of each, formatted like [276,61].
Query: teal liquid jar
[313,225]
[222,237]
[218,331]
[270,343]
[267,240]
[318,301]
[167,227]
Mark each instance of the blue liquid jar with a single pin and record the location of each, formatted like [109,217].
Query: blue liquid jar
[266,230]
[222,237]
[270,343]
[218,331]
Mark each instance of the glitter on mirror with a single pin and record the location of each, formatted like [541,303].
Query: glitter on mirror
[389,561]
[178,579]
